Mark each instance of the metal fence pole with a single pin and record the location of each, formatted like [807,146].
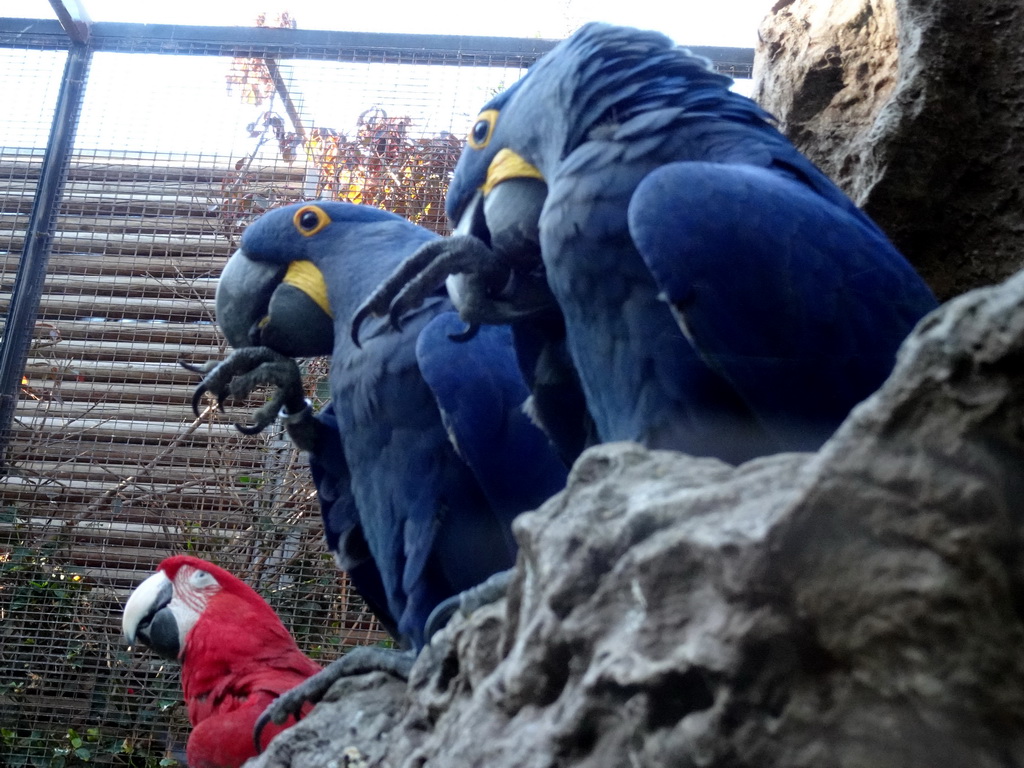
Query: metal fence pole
[28,283]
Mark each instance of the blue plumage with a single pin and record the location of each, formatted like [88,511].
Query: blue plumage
[343,528]
[413,520]
[806,321]
[720,295]
[482,397]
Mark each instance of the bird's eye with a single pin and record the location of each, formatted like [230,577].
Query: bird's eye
[310,219]
[482,130]
[202,579]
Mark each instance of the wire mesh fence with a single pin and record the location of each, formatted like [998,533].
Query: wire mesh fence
[107,471]
[184,135]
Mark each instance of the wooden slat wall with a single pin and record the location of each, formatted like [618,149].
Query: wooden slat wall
[104,422]
[129,292]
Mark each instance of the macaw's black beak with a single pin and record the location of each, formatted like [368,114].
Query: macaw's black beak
[511,211]
[295,325]
[506,220]
[278,306]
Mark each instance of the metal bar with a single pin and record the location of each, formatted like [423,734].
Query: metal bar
[286,98]
[73,19]
[272,42]
[28,284]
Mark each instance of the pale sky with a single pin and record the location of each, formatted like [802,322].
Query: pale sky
[122,109]
[688,22]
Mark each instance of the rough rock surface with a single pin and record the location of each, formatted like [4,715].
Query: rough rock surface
[856,607]
[916,108]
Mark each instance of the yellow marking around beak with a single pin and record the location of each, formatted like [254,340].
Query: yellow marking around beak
[307,278]
[508,165]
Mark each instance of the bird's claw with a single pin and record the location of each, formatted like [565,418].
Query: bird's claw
[197,397]
[244,370]
[379,303]
[203,369]
[467,334]
[288,704]
[465,603]
[422,273]
[312,690]
[202,389]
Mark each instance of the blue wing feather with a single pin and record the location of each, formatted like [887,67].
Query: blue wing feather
[798,303]
[482,398]
[556,395]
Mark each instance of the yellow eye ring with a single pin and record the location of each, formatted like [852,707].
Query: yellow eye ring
[310,219]
[483,128]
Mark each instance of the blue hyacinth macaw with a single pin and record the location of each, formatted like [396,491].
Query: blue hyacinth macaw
[426,451]
[720,295]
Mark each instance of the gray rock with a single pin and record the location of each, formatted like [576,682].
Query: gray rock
[916,108]
[856,607]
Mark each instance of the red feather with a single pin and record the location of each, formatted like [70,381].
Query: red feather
[236,660]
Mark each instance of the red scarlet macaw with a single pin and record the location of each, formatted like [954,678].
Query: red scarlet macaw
[236,656]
